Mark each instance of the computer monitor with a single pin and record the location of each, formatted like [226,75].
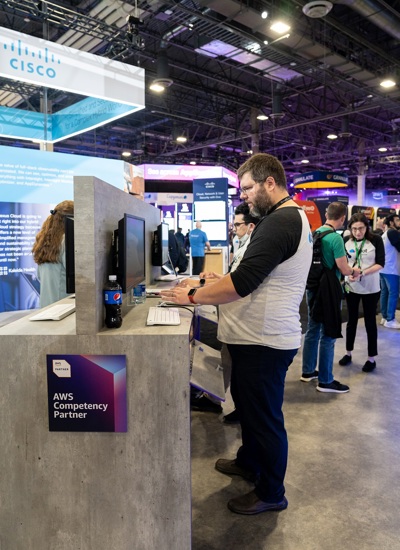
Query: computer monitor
[216,231]
[160,245]
[131,252]
[69,239]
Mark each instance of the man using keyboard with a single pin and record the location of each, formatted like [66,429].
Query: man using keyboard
[260,302]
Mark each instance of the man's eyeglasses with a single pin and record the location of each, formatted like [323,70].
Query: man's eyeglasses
[245,190]
[236,225]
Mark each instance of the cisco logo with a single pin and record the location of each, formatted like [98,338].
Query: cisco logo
[31,62]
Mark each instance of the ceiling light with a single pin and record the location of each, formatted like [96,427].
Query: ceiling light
[305,161]
[264,14]
[155,86]
[126,154]
[280,27]
[262,117]
[382,149]
[162,79]
[388,83]
[331,136]
[266,42]
[181,139]
[193,162]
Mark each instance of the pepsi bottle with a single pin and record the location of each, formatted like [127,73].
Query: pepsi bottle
[112,302]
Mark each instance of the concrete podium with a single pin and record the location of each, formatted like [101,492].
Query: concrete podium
[102,491]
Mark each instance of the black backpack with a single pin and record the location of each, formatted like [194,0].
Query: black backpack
[317,267]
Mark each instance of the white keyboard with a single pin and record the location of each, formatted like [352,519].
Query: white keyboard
[163,316]
[54,313]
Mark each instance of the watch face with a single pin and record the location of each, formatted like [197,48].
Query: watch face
[192,291]
[202,282]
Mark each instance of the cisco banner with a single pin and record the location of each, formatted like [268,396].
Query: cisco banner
[87,393]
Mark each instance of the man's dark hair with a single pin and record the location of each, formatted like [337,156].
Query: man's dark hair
[261,166]
[389,219]
[336,210]
[244,209]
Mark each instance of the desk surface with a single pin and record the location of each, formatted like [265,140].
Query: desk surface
[134,322]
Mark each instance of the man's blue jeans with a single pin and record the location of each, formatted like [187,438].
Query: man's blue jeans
[390,285]
[315,340]
[257,387]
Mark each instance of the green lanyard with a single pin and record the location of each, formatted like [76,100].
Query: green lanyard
[358,252]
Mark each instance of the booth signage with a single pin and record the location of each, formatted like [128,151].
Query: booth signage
[187,172]
[87,393]
[311,179]
[114,89]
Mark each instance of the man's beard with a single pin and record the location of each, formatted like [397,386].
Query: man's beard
[261,203]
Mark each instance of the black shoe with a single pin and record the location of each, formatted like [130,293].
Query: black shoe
[333,387]
[250,504]
[232,418]
[204,404]
[307,377]
[230,468]
[369,366]
[345,360]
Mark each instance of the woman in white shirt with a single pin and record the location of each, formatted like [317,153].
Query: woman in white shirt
[365,250]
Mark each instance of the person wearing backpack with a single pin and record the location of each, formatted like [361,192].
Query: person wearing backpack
[324,298]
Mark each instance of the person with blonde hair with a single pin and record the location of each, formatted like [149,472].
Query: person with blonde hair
[49,253]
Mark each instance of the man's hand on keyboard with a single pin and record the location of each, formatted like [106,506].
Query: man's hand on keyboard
[177,295]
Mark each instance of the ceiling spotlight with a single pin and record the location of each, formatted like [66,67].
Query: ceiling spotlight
[305,161]
[280,27]
[382,149]
[155,86]
[126,154]
[264,14]
[181,139]
[266,42]
[388,83]
[262,117]
[162,79]
[331,136]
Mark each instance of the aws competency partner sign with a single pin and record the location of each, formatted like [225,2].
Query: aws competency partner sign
[87,393]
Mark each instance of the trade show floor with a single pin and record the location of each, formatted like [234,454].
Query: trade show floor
[342,477]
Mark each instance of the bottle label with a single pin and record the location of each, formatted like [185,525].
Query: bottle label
[112,297]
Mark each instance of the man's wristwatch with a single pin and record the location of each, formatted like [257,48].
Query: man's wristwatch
[191,293]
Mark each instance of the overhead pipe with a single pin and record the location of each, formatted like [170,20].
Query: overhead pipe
[374,13]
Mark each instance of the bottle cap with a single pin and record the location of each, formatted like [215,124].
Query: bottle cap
[112,277]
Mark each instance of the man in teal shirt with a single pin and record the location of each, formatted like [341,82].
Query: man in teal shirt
[317,341]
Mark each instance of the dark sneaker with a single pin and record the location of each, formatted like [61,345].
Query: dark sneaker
[333,387]
[369,366]
[230,468]
[345,360]
[250,504]
[307,377]
[232,418]
[203,404]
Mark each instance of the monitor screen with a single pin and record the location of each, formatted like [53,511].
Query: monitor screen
[160,245]
[209,210]
[217,232]
[69,254]
[131,252]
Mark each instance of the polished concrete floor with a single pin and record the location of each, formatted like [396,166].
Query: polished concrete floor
[343,477]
